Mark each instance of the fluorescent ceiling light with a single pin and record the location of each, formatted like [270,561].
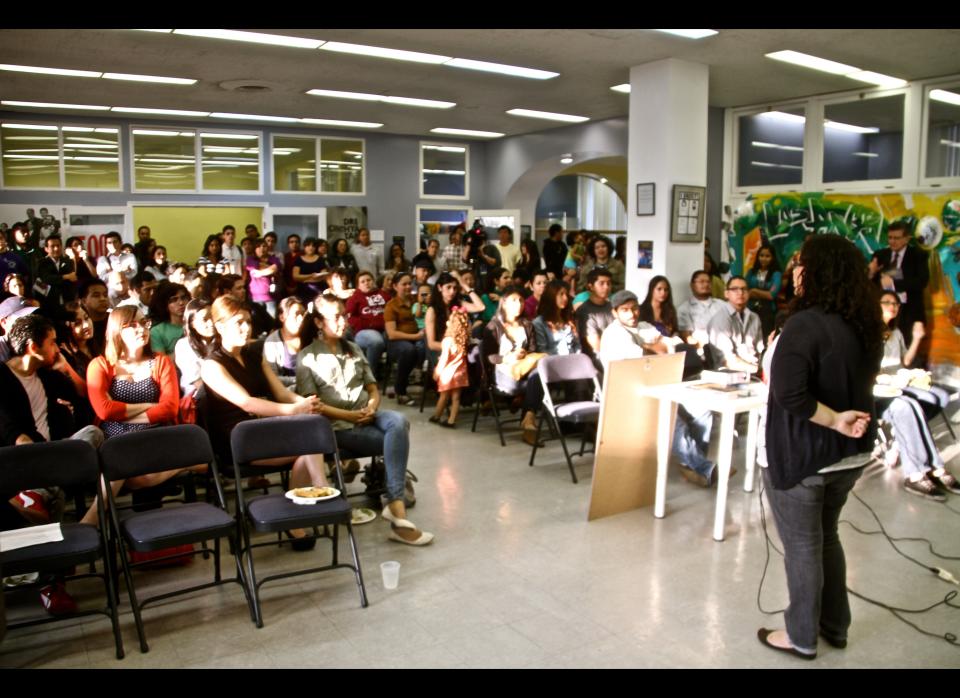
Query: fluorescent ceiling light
[149,78]
[341,94]
[761,144]
[624,88]
[379,52]
[466,132]
[945,96]
[338,122]
[689,33]
[53,105]
[867,155]
[168,112]
[952,144]
[50,71]
[414,102]
[252,117]
[502,69]
[407,101]
[447,172]
[252,37]
[162,31]
[31,127]
[808,61]
[566,161]
[877,79]
[445,148]
[533,114]
[849,128]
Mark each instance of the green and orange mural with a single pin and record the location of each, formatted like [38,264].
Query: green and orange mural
[785,220]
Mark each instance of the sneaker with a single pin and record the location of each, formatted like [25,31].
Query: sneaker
[56,600]
[947,482]
[924,488]
[693,477]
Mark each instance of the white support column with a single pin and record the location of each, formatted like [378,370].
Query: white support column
[667,146]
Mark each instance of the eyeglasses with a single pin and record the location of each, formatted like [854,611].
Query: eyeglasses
[144,324]
[738,289]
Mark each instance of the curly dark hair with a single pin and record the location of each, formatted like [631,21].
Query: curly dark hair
[834,278]
[668,312]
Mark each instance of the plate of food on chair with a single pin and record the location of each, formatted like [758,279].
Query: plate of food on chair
[312,495]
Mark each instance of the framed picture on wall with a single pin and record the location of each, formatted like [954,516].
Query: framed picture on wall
[688,209]
[646,199]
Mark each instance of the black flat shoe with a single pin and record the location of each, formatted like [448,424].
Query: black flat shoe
[301,544]
[833,642]
[435,419]
[448,425]
[763,634]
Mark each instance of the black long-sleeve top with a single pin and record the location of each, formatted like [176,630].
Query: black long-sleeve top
[819,358]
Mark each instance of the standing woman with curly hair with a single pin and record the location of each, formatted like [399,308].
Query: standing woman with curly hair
[819,434]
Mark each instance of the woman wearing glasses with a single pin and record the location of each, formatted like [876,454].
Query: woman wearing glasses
[131,388]
[167,307]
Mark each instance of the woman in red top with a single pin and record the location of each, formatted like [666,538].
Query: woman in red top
[130,388]
[365,315]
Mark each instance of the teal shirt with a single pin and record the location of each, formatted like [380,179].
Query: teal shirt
[164,336]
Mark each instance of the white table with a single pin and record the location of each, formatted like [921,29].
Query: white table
[728,405]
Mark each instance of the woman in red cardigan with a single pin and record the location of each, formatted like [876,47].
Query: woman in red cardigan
[130,388]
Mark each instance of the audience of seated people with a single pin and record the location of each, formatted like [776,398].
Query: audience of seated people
[324,322]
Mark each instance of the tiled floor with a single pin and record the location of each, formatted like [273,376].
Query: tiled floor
[518,578]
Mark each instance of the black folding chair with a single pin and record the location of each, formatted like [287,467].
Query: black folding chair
[153,451]
[489,393]
[60,464]
[281,437]
[564,369]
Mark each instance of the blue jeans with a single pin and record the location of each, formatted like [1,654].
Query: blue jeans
[691,438]
[918,451]
[373,345]
[407,355]
[388,435]
[807,515]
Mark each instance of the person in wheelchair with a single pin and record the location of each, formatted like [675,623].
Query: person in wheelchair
[336,371]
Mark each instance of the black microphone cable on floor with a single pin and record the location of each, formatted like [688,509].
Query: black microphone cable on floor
[948,637]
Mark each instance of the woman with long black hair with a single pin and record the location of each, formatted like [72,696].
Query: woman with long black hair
[819,434]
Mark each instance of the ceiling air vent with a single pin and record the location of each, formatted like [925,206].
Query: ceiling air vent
[248,86]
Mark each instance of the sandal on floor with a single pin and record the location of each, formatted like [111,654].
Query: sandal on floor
[395,523]
[435,419]
[448,425]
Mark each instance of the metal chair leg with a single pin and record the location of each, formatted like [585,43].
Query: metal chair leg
[536,443]
[563,442]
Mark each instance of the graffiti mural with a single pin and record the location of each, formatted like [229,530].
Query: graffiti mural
[785,220]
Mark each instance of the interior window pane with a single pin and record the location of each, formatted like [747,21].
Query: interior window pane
[31,155]
[341,165]
[91,157]
[770,151]
[863,140]
[164,159]
[943,132]
[294,164]
[231,162]
[444,170]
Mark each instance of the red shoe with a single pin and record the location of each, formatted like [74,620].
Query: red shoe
[56,600]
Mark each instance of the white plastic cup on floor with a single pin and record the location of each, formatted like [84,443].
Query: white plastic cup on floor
[391,574]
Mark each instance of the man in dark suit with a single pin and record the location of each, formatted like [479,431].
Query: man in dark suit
[905,270]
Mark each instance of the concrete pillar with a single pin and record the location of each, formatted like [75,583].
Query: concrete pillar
[667,145]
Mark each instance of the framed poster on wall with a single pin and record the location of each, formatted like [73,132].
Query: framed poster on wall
[688,209]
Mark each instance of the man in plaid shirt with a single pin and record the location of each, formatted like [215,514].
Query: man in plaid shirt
[453,253]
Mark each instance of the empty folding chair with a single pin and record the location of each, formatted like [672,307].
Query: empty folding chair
[62,464]
[559,369]
[153,451]
[282,437]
